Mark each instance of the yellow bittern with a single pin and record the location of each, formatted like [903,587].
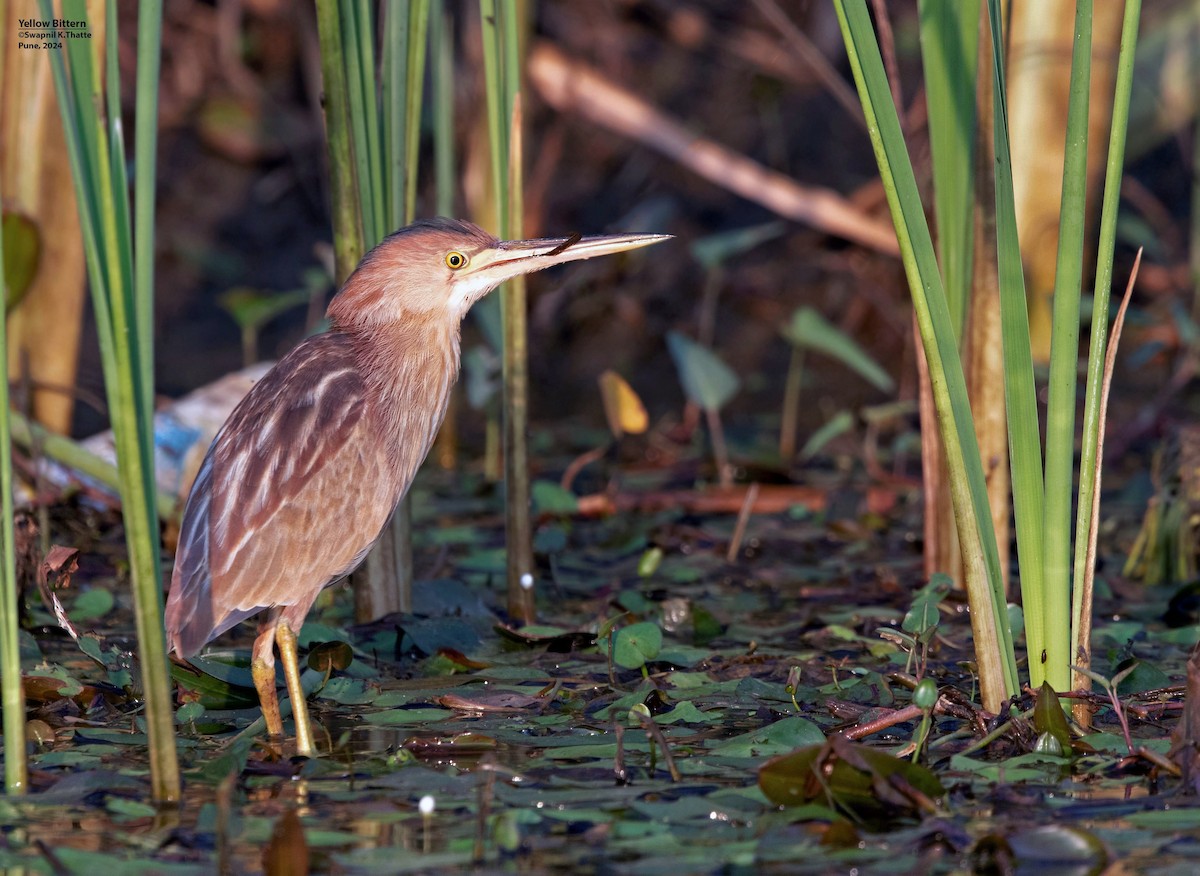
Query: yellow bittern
[305,473]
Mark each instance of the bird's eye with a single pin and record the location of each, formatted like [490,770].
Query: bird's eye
[455,260]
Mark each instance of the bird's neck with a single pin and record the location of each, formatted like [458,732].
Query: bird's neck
[410,367]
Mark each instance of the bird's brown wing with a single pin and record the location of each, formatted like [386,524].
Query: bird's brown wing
[292,493]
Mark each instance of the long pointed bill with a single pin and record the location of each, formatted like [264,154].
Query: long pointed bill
[511,258]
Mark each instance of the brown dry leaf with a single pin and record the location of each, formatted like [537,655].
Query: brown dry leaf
[53,574]
[624,410]
[497,702]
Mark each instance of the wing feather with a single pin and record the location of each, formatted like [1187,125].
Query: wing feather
[293,491]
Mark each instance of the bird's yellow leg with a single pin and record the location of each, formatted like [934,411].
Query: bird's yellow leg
[286,639]
[262,668]
[264,683]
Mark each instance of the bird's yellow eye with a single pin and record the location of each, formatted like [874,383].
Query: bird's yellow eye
[455,260]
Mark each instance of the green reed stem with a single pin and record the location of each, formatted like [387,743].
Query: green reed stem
[502,65]
[981,562]
[1064,364]
[347,214]
[1020,390]
[12,689]
[1093,412]
[96,148]
[950,56]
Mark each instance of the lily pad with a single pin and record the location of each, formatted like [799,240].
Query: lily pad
[637,644]
[851,777]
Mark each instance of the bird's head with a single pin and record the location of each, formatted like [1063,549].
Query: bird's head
[440,267]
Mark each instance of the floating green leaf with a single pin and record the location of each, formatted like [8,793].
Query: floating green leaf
[550,498]
[779,737]
[1059,847]
[189,712]
[636,645]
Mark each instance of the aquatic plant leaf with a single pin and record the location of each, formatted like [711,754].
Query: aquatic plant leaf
[22,252]
[251,308]
[637,644]
[551,498]
[92,604]
[1058,845]
[810,330]
[922,619]
[851,777]
[781,736]
[349,691]
[1049,717]
[330,656]
[407,717]
[715,249]
[837,425]
[707,381]
[216,684]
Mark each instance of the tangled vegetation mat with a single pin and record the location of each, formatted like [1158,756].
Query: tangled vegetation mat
[677,710]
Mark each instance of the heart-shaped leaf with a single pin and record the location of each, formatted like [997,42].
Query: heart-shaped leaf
[637,644]
[707,381]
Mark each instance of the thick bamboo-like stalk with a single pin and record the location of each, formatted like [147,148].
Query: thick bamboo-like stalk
[941,552]
[1039,51]
[347,217]
[950,59]
[502,65]
[983,343]
[35,172]
[373,126]
[387,574]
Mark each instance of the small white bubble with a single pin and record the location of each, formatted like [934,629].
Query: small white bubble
[427,804]
[527,581]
